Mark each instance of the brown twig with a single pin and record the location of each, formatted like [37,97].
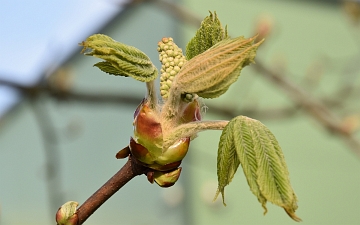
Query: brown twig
[130,170]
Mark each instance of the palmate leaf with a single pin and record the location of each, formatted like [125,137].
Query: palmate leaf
[262,161]
[120,59]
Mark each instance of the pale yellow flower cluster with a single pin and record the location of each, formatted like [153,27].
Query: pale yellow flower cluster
[172,59]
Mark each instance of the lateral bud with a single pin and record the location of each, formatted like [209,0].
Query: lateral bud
[66,214]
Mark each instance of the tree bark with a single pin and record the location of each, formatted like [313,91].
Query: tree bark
[130,170]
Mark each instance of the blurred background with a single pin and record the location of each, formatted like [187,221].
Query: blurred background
[62,120]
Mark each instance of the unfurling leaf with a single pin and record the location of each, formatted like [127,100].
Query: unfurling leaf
[227,161]
[120,59]
[273,175]
[245,151]
[209,33]
[211,73]
[262,161]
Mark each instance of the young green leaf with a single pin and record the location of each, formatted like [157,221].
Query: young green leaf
[209,33]
[120,59]
[245,151]
[211,73]
[107,67]
[273,175]
[227,161]
[263,163]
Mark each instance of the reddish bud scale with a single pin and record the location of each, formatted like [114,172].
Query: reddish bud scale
[147,127]
[191,113]
[146,145]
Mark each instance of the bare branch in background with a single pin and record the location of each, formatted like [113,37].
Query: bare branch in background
[119,99]
[181,12]
[52,155]
[313,107]
[319,109]
[69,95]
[309,104]
[262,114]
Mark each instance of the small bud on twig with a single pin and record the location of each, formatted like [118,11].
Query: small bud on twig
[66,214]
